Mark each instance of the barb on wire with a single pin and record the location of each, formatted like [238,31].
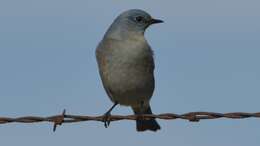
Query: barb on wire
[58,120]
[67,118]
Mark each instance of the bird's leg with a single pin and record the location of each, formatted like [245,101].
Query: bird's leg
[142,107]
[106,116]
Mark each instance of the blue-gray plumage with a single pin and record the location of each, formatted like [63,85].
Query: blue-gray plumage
[126,65]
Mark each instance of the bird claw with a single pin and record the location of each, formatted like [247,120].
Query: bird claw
[107,116]
[106,119]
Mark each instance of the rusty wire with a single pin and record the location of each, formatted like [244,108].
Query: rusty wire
[67,118]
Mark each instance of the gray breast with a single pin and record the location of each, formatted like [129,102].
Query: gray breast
[126,69]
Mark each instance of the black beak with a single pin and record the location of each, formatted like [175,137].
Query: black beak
[154,21]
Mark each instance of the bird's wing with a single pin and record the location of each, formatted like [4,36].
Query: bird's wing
[102,53]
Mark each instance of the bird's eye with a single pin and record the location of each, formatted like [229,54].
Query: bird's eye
[139,19]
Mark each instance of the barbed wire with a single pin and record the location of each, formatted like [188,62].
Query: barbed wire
[67,118]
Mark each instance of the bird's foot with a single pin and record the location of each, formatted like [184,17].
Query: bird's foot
[106,119]
[107,116]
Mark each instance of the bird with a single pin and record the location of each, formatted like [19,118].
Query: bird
[126,65]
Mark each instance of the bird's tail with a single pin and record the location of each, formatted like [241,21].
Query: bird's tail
[143,125]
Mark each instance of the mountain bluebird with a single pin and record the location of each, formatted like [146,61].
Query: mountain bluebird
[126,65]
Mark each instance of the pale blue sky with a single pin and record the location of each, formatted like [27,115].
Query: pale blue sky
[207,59]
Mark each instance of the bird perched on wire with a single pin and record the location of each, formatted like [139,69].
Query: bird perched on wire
[126,65]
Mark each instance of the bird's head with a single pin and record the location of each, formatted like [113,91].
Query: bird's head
[134,20]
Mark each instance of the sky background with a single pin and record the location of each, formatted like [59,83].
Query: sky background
[206,55]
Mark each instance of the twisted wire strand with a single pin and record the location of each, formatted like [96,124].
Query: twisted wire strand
[68,118]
